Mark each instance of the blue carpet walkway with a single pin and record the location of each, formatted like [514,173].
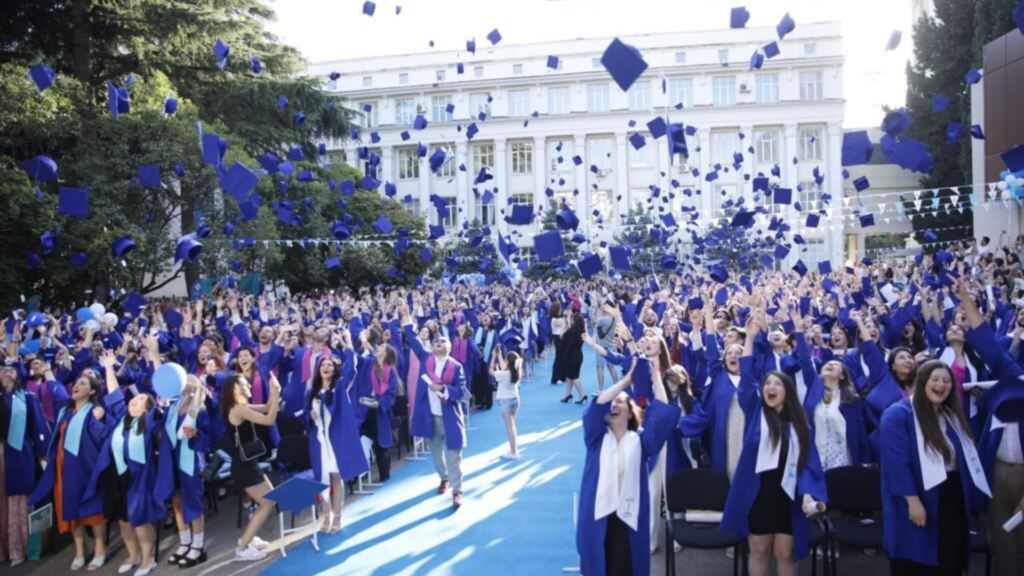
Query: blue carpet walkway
[516,516]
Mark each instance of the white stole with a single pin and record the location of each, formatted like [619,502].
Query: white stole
[611,497]
[968,386]
[768,457]
[933,466]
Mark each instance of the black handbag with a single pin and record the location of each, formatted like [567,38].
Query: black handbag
[250,450]
[213,465]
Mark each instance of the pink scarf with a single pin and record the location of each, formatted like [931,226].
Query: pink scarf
[257,387]
[412,381]
[459,349]
[38,387]
[381,385]
[447,377]
[307,356]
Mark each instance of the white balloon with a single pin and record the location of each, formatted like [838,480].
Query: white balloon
[110,319]
[1001,185]
[98,310]
[1019,183]
[1009,177]
[92,324]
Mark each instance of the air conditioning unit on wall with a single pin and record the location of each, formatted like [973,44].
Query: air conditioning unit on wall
[744,88]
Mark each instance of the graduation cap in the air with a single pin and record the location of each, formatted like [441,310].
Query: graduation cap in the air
[221,51]
[620,258]
[719,274]
[42,76]
[867,220]
[977,133]
[782,196]
[781,252]
[669,262]
[738,17]
[912,155]
[213,149]
[624,63]
[521,215]
[117,100]
[548,245]
[149,175]
[953,132]
[122,246]
[187,249]
[824,267]
[48,240]
[494,37]
[676,142]
[567,220]
[590,266]
[973,77]
[239,181]
[471,131]
[369,8]
[332,263]
[800,268]
[74,202]
[657,127]
[133,304]
[40,168]
[813,220]
[771,50]
[426,255]
[861,184]
[436,232]
[896,122]
[637,140]
[857,148]
[756,60]
[79,259]
[785,26]
[1014,158]
[383,225]
[894,40]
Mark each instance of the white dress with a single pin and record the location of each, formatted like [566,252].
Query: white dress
[328,463]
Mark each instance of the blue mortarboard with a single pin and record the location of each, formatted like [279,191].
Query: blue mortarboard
[930,235]
[824,267]
[637,140]
[419,123]
[719,274]
[471,46]
[322,148]
[590,266]
[295,153]
[42,76]
[676,142]
[257,68]
[383,225]
[79,259]
[122,246]
[214,147]
[721,296]
[857,148]
[40,168]
[1014,158]
[282,101]
[173,319]
[738,17]
[553,62]
[221,52]
[695,303]
[782,196]
[297,493]
[471,131]
[771,50]
[977,132]
[953,132]
[620,258]
[761,184]
[250,209]
[912,155]
[426,255]
[861,184]
[567,220]
[187,249]
[306,176]
[48,240]
[973,77]
[756,60]
[668,262]
[668,220]
[149,175]
[239,181]
[867,220]
[781,252]
[74,202]
[369,8]
[894,40]
[228,229]
[299,119]
[939,103]
[521,215]
[657,127]
[117,100]
[786,26]
[494,36]
[548,245]
[813,220]
[800,268]
[624,63]
[347,187]
[133,304]
[742,219]
[896,122]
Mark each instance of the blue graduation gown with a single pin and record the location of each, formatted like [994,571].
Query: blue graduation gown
[23,458]
[659,424]
[747,482]
[77,469]
[716,401]
[901,477]
[451,411]
[343,432]
[169,464]
[144,507]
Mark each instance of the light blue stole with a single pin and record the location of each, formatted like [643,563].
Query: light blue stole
[136,446]
[73,433]
[19,419]
[186,456]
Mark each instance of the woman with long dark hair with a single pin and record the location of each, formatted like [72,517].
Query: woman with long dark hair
[889,381]
[931,475]
[378,398]
[242,419]
[24,436]
[507,371]
[557,329]
[613,526]
[779,478]
[572,358]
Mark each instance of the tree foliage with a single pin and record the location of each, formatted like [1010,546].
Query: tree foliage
[560,267]
[480,259]
[647,250]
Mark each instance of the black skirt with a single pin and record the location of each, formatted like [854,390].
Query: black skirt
[115,499]
[772,512]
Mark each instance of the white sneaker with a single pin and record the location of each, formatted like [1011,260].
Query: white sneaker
[259,543]
[250,554]
[510,456]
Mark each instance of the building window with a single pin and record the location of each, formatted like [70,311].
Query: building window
[517,69]
[601,202]
[597,98]
[720,194]
[522,199]
[767,88]
[448,168]
[518,102]
[441,75]
[680,91]
[723,146]
[479,103]
[483,213]
[596,63]
[453,212]
[483,156]
[332,85]
[478,72]
[558,100]
[642,158]
[811,87]
[810,143]
[723,91]
[371,118]
[566,154]
[601,152]
[405,111]
[367,81]
[522,158]
[767,146]
[680,57]
[723,56]
[403,78]
[640,96]
[810,196]
[439,108]
[810,49]
[408,164]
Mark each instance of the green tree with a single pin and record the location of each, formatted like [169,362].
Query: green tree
[647,252]
[738,249]
[558,268]
[480,259]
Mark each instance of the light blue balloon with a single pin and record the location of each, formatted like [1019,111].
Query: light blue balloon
[169,380]
[84,314]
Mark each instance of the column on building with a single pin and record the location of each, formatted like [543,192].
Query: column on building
[540,170]
[501,183]
[424,194]
[749,158]
[706,190]
[582,201]
[462,183]
[834,186]
[622,191]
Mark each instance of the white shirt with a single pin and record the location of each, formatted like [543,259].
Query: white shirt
[506,389]
[435,398]
[557,326]
[1009,450]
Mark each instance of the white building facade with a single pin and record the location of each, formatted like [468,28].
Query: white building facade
[790,113]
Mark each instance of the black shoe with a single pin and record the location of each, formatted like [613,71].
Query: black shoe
[187,562]
[582,400]
[567,398]
[176,557]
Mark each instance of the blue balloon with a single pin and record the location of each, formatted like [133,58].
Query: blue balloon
[84,314]
[169,380]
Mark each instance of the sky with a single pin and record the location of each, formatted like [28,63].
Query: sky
[337,30]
